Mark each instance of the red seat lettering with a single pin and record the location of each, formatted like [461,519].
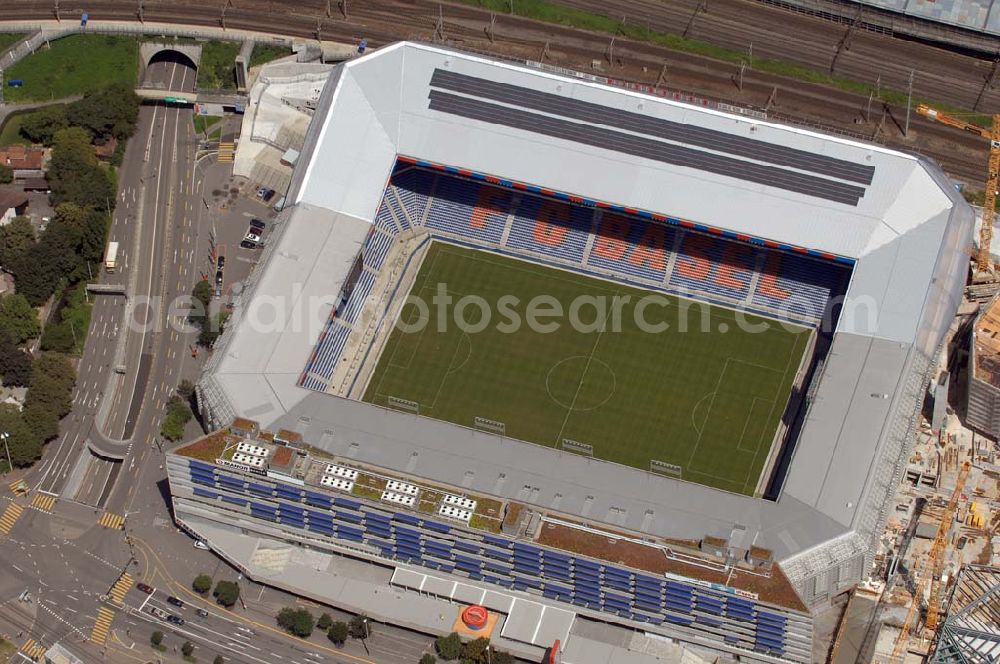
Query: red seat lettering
[695,262]
[733,271]
[650,250]
[611,236]
[490,203]
[769,278]
[548,229]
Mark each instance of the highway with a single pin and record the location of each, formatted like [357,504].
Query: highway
[154,204]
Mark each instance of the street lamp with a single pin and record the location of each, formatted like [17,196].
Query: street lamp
[4,436]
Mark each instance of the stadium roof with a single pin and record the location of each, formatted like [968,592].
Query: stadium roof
[896,214]
[573,135]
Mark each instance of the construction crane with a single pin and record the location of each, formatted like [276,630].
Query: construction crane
[983,263]
[935,560]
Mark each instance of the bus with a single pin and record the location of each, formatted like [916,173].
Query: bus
[111,257]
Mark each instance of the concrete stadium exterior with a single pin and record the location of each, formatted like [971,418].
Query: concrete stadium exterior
[895,218]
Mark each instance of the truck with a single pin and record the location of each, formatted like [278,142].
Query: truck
[111,257]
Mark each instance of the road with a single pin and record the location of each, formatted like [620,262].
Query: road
[150,203]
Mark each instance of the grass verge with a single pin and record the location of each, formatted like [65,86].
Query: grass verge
[217,70]
[74,65]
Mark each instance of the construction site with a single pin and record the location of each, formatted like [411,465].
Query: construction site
[932,594]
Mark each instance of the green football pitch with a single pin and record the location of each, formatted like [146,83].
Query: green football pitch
[702,394]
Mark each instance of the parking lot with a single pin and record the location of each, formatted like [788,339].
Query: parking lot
[236,209]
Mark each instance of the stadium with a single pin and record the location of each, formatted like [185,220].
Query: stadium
[684,329]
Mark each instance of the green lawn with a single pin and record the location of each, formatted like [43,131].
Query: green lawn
[7,39]
[707,401]
[74,65]
[11,132]
[264,53]
[217,70]
[204,122]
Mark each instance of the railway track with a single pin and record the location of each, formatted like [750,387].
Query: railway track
[832,109]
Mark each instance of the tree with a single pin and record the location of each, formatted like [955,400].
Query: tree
[74,173]
[475,650]
[324,622]
[337,633]
[226,593]
[6,174]
[51,385]
[202,584]
[449,647]
[18,318]
[187,648]
[25,447]
[178,415]
[500,657]
[41,126]
[155,639]
[219,659]
[108,111]
[428,659]
[15,239]
[15,364]
[185,390]
[359,627]
[296,621]
[59,337]
[43,423]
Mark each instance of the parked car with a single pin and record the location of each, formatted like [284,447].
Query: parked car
[158,612]
[247,244]
[265,194]
[176,602]
[202,613]
[145,588]
[198,544]
[175,620]
[257,223]
[221,262]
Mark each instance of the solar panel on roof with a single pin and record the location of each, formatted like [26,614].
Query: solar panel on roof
[764,628]
[647,604]
[194,463]
[583,563]
[347,502]
[203,493]
[771,617]
[647,592]
[350,517]
[679,588]
[318,499]
[555,555]
[736,601]
[648,582]
[466,545]
[525,548]
[617,571]
[776,643]
[678,606]
[615,582]
[497,541]
[439,527]
[375,516]
[405,518]
[234,501]
[678,619]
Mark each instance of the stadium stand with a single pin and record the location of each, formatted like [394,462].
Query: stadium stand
[627,247]
[508,563]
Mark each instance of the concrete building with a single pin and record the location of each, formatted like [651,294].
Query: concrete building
[983,409]
[888,224]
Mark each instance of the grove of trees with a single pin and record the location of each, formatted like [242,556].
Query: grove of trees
[299,622]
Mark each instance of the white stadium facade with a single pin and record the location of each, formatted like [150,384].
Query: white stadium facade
[890,225]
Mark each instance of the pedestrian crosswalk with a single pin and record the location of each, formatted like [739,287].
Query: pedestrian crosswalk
[43,502]
[10,517]
[227,152]
[102,625]
[112,520]
[121,588]
[33,650]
